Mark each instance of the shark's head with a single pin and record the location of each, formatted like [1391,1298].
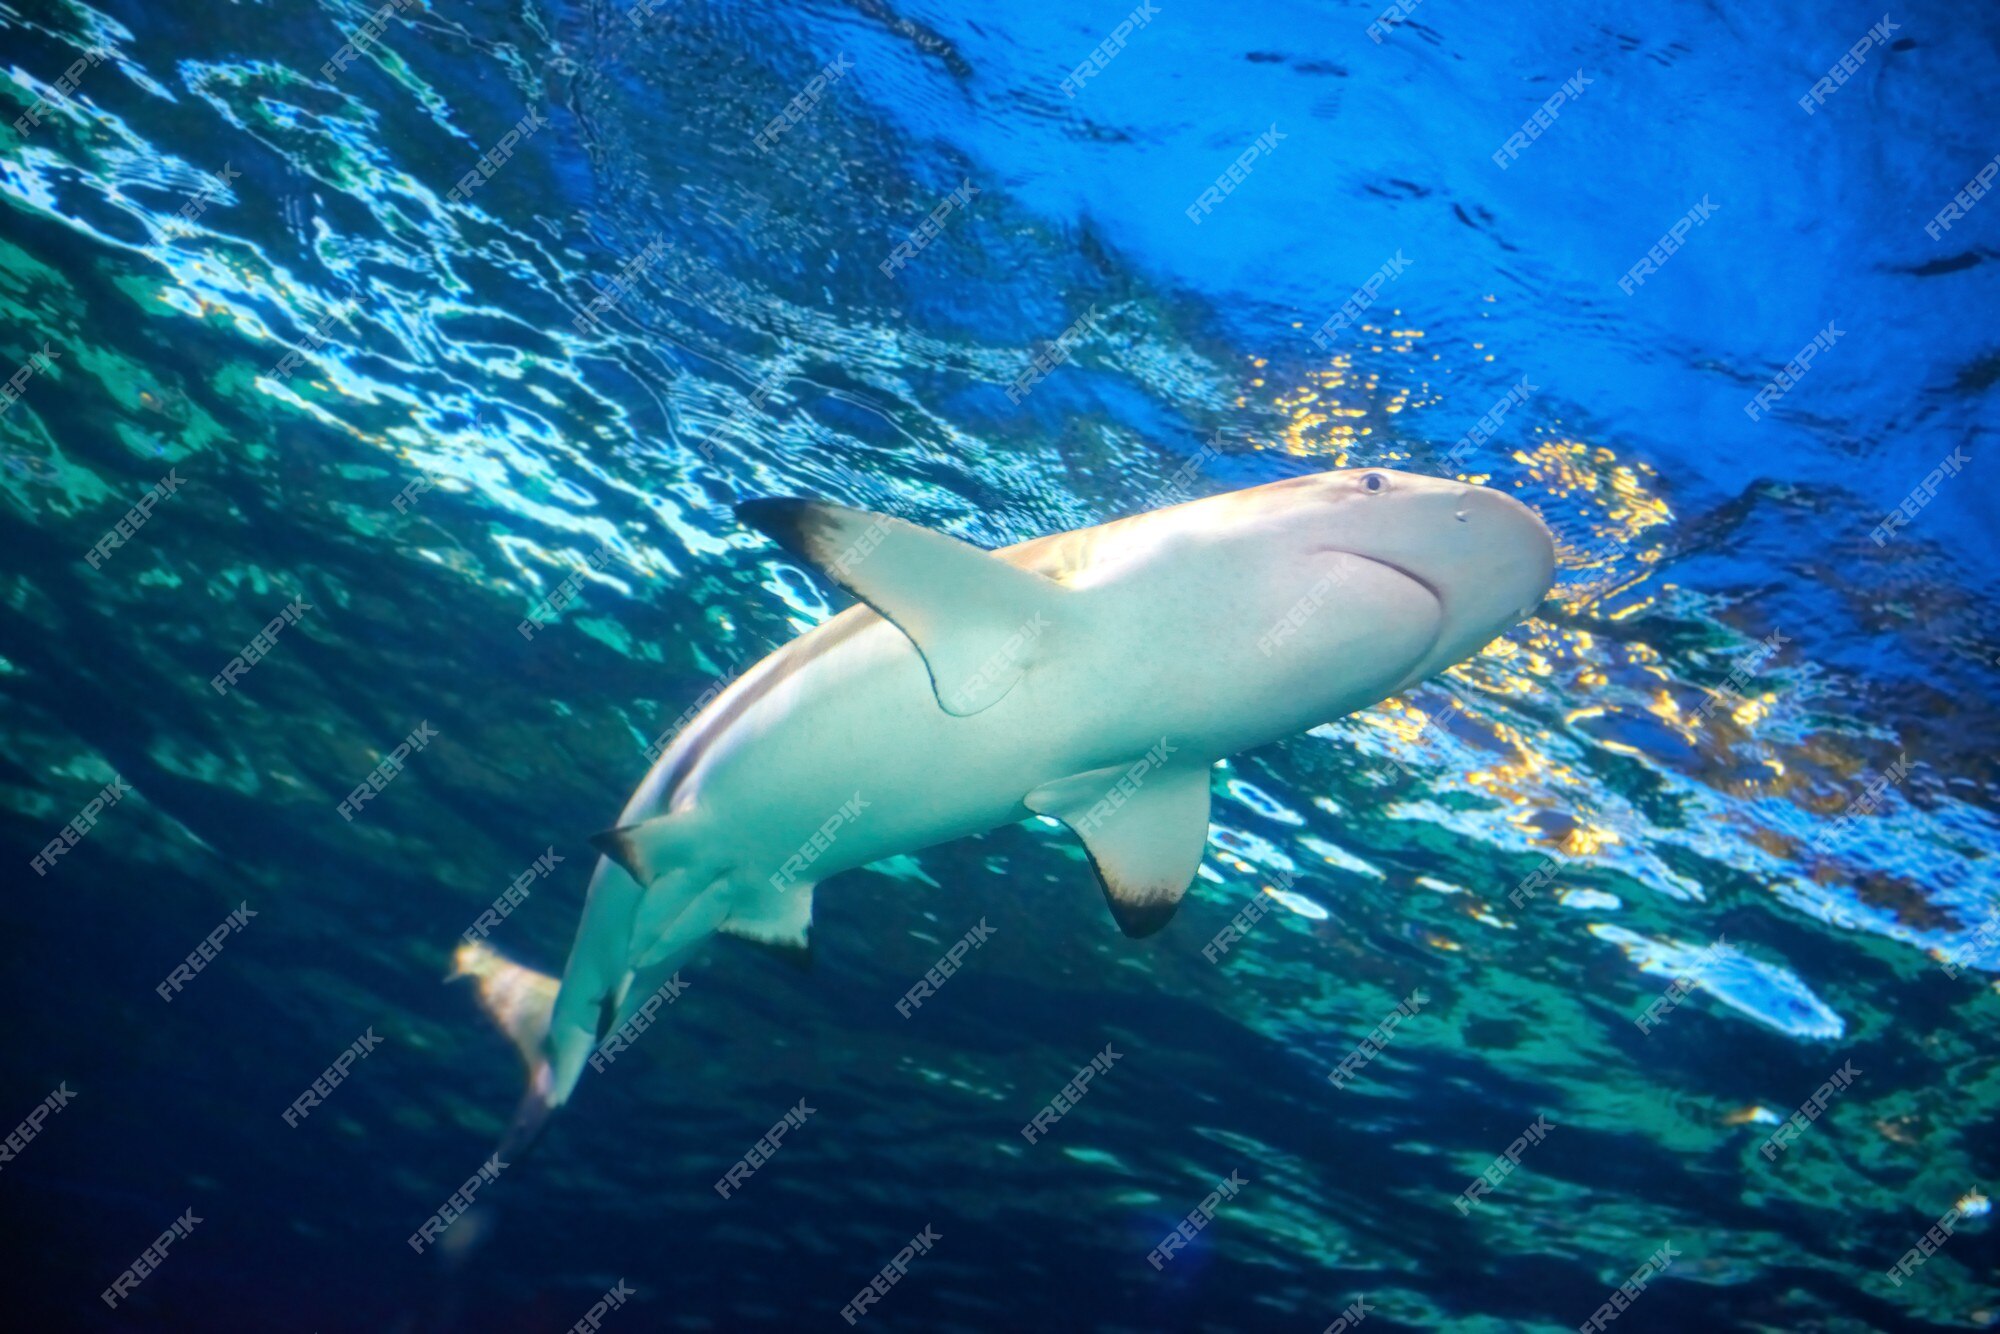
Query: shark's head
[1485,557]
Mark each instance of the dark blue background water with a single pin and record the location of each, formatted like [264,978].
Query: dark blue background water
[761,350]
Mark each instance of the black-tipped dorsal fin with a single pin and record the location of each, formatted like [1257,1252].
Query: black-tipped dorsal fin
[979,621]
[1145,826]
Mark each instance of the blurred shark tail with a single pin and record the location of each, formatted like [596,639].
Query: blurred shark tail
[519,1001]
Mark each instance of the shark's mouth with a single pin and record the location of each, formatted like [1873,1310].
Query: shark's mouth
[1436,595]
[1420,669]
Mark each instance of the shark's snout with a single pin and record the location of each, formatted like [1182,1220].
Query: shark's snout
[1486,557]
[1514,555]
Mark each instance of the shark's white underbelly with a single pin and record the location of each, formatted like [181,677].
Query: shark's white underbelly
[1176,637]
[857,727]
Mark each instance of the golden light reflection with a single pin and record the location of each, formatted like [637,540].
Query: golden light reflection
[1620,700]
[1327,415]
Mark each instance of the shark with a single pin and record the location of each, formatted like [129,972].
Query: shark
[1093,677]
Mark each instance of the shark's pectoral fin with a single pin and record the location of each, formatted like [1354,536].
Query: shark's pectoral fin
[781,918]
[979,621]
[1145,827]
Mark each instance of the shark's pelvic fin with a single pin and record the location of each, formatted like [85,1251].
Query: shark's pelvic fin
[621,845]
[646,850]
[1145,829]
[979,621]
[781,918]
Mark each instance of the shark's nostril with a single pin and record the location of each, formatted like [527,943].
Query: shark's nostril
[1460,515]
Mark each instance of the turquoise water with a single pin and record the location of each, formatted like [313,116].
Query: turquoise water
[1751,745]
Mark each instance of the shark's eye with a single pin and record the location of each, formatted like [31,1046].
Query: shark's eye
[1374,481]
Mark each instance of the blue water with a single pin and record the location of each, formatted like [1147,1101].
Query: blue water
[247,267]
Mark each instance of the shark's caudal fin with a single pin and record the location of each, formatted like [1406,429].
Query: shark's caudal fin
[978,621]
[519,1001]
